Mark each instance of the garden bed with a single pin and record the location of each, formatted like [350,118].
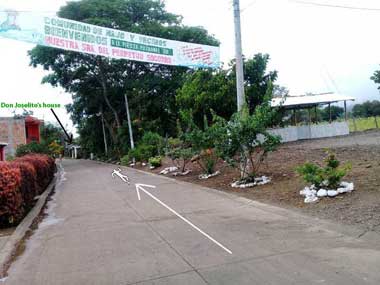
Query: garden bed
[360,207]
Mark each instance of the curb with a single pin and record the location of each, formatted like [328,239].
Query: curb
[9,248]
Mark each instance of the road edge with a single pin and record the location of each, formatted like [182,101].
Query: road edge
[7,252]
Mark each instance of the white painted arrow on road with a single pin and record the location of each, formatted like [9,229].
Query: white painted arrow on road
[141,187]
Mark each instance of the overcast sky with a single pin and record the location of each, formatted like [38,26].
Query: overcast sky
[314,48]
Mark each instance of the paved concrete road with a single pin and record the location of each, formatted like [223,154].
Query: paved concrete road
[99,233]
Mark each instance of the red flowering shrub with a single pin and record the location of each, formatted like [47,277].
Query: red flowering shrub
[20,181]
[29,187]
[11,208]
[44,166]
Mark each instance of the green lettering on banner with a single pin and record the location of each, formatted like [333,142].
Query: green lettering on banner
[141,47]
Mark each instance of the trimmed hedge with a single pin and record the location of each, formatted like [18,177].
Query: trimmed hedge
[20,181]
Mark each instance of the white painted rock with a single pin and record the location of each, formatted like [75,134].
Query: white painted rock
[342,190]
[169,170]
[332,193]
[322,193]
[311,199]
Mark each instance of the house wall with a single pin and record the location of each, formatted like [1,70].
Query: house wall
[295,133]
[12,131]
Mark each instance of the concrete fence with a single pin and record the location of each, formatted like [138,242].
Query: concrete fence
[323,130]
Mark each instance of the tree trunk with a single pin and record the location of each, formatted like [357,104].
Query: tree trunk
[105,93]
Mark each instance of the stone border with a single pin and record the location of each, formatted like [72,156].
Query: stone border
[10,246]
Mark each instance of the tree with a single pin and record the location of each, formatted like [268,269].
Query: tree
[206,90]
[244,141]
[367,109]
[336,113]
[376,77]
[257,80]
[98,84]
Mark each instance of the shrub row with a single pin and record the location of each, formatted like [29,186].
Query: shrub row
[20,181]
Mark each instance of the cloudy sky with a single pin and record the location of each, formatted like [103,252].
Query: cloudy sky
[314,48]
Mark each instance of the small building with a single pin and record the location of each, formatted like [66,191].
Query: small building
[15,131]
[311,130]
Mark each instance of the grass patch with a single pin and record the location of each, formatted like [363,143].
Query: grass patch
[363,124]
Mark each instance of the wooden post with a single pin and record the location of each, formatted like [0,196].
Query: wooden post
[295,116]
[353,119]
[330,120]
[377,126]
[316,114]
[310,122]
[345,110]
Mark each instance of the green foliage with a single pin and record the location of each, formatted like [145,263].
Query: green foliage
[155,141]
[206,90]
[329,176]
[98,84]
[311,173]
[142,152]
[367,109]
[32,147]
[244,141]
[258,81]
[155,161]
[125,160]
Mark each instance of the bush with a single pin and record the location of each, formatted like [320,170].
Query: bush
[142,152]
[329,176]
[44,166]
[11,208]
[155,141]
[125,160]
[155,161]
[32,147]
[20,181]
[29,187]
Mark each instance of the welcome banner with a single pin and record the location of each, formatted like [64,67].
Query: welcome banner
[81,37]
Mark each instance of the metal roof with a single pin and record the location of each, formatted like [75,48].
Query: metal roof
[309,100]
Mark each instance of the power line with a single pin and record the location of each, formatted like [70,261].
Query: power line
[337,6]
[248,6]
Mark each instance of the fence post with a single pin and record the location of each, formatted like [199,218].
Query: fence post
[377,126]
[353,120]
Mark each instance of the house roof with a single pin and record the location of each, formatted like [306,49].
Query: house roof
[303,101]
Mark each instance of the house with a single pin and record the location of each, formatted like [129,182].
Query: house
[15,131]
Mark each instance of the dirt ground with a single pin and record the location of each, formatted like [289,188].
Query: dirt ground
[360,208]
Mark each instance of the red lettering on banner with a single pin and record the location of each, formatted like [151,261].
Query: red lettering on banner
[127,54]
[197,54]
[103,50]
[88,48]
[61,43]
[159,59]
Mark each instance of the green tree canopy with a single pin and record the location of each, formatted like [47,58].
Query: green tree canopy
[98,84]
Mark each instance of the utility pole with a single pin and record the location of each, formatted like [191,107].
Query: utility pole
[239,57]
[129,122]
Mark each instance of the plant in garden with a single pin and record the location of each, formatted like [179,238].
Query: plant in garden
[244,141]
[180,153]
[32,147]
[155,161]
[203,145]
[329,176]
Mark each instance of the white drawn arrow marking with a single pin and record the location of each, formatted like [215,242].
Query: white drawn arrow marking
[123,177]
[140,187]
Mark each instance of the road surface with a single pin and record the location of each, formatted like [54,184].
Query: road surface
[98,232]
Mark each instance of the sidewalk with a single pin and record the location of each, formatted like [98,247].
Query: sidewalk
[98,232]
